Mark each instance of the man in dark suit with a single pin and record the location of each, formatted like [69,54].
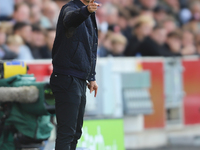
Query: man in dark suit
[74,59]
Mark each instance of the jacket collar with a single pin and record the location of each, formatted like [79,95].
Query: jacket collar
[78,3]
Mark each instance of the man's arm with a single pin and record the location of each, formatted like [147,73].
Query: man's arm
[73,17]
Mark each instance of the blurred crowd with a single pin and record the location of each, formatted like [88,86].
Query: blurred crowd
[125,28]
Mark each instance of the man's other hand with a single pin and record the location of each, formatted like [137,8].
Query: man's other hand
[92,7]
[92,86]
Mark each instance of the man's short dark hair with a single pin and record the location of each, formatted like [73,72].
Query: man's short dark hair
[20,25]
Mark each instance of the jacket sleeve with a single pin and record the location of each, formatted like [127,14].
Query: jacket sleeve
[92,75]
[73,17]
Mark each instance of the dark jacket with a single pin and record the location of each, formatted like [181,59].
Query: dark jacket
[150,48]
[75,46]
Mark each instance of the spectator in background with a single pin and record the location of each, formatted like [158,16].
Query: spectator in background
[128,13]
[112,17]
[188,43]
[21,13]
[51,10]
[169,24]
[101,17]
[106,47]
[38,45]
[154,45]
[15,44]
[50,36]
[35,15]
[127,7]
[123,25]
[187,38]
[160,14]
[174,8]
[181,44]
[102,24]
[37,18]
[142,29]
[114,45]
[173,42]
[24,30]
[5,52]
[118,44]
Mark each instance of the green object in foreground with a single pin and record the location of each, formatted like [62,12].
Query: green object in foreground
[103,135]
[29,119]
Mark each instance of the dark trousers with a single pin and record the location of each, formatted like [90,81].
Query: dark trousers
[70,97]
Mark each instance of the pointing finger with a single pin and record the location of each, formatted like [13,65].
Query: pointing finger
[99,5]
[95,95]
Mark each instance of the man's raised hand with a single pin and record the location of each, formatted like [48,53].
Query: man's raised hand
[92,6]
